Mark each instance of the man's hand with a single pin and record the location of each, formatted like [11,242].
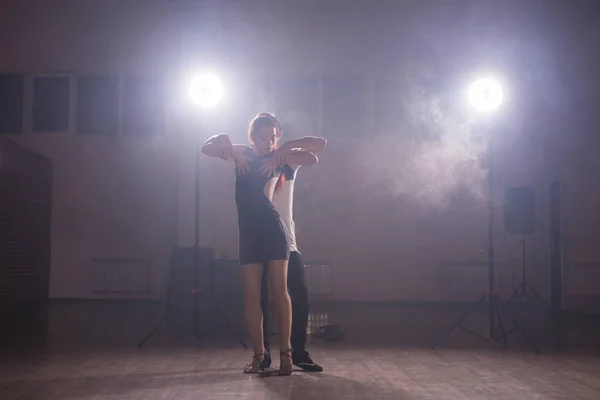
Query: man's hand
[218,146]
[277,159]
[224,146]
[281,153]
[226,152]
[270,165]
[241,163]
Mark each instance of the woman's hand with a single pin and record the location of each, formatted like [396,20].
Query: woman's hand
[241,162]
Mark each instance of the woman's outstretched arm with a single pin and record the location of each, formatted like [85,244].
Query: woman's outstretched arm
[218,146]
[313,144]
[299,157]
[293,157]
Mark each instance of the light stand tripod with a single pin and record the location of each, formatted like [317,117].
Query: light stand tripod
[495,305]
[196,292]
[165,315]
[521,291]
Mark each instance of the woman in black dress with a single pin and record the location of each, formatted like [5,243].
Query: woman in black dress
[262,233]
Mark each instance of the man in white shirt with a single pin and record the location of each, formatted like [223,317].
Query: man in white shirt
[283,202]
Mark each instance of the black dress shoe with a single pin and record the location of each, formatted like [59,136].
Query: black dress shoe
[267,359]
[302,359]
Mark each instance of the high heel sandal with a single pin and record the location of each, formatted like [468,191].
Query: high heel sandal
[251,368]
[286,370]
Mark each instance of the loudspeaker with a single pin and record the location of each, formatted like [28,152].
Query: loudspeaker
[519,210]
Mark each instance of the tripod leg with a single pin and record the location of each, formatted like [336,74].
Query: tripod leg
[167,305]
[557,330]
[519,328]
[460,320]
[227,326]
[224,323]
[516,293]
[441,339]
[538,297]
[522,298]
[235,335]
[497,310]
[149,335]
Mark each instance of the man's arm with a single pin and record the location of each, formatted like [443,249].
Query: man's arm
[218,146]
[300,157]
[313,144]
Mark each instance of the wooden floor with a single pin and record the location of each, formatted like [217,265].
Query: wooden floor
[88,352]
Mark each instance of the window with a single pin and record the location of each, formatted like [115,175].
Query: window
[97,102]
[344,106]
[297,103]
[51,104]
[11,103]
[143,105]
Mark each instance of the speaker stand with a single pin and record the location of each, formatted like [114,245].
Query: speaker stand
[495,306]
[521,292]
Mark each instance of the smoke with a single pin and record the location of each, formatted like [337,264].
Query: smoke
[426,153]
[431,157]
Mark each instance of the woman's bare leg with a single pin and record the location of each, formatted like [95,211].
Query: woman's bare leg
[283,306]
[251,277]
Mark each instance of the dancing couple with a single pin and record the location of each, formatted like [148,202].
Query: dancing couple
[264,190]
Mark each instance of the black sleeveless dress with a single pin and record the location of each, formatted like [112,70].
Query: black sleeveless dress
[262,234]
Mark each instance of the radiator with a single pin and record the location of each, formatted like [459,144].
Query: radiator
[318,278]
[118,275]
[317,320]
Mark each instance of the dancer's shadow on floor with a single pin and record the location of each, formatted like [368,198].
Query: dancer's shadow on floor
[326,385]
[301,385]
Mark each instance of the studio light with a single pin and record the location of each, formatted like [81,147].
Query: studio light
[206,90]
[485,95]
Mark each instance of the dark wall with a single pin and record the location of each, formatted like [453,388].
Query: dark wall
[25,207]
